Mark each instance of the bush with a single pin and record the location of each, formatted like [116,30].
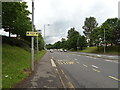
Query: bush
[72,49]
[16,42]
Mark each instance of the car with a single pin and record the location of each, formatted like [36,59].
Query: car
[51,50]
[65,50]
[61,50]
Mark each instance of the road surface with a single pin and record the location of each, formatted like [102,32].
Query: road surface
[87,71]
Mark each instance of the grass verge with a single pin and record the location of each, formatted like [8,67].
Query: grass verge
[111,50]
[15,64]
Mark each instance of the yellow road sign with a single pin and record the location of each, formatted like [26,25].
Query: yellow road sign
[31,33]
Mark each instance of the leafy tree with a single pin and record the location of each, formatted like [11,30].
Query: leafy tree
[15,18]
[116,33]
[96,36]
[49,46]
[72,38]
[57,45]
[81,42]
[63,43]
[110,27]
[89,24]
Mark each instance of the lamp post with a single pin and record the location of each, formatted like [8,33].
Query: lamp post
[44,34]
[39,32]
[32,39]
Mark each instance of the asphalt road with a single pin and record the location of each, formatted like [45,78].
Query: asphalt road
[87,71]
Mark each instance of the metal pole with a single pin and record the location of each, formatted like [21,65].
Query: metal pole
[37,45]
[32,39]
[104,42]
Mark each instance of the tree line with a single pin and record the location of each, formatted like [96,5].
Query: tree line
[94,35]
[16,20]
[74,41]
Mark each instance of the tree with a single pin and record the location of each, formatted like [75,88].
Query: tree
[110,27]
[96,36]
[81,42]
[89,24]
[15,18]
[72,39]
[116,33]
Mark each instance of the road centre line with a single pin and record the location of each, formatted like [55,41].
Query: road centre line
[85,65]
[76,59]
[77,62]
[94,66]
[114,78]
[95,70]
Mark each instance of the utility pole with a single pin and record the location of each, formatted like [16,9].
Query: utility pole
[32,39]
[44,34]
[37,45]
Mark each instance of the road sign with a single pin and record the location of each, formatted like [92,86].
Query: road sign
[31,33]
[39,31]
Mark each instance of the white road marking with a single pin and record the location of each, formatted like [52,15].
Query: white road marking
[99,55]
[77,62]
[114,78]
[96,70]
[53,63]
[85,65]
[112,61]
[75,59]
[94,66]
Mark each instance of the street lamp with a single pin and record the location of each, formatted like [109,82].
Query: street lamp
[32,39]
[44,33]
[39,32]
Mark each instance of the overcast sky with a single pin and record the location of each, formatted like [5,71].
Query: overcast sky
[64,14]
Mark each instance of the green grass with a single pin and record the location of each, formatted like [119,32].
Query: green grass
[15,64]
[112,50]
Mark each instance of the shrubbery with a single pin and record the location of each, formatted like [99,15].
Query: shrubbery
[16,42]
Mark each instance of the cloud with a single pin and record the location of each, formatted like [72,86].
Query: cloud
[63,14]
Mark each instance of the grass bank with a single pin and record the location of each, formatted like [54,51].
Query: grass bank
[112,50]
[15,64]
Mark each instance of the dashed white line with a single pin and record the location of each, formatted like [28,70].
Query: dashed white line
[96,70]
[85,65]
[94,66]
[75,59]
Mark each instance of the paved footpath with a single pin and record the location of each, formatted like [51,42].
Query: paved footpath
[44,75]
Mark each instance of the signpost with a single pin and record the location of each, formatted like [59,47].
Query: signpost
[31,33]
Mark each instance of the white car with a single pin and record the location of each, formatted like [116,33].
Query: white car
[65,50]
[51,50]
